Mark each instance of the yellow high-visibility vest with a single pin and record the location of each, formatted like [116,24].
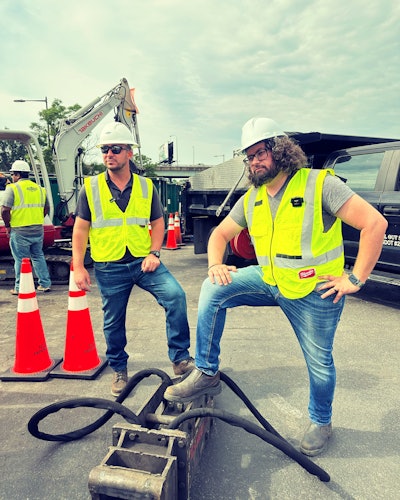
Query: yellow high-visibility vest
[293,250]
[29,202]
[111,230]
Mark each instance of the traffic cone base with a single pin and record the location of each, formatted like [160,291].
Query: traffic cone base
[11,376]
[90,374]
[169,248]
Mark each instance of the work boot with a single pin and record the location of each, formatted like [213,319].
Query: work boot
[119,382]
[193,386]
[182,367]
[315,439]
[44,289]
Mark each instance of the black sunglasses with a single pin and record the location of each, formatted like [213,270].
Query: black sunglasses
[115,150]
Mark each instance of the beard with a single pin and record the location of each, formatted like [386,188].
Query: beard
[259,179]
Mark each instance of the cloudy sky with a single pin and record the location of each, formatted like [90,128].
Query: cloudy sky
[201,68]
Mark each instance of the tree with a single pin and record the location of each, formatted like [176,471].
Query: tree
[148,166]
[47,127]
[9,152]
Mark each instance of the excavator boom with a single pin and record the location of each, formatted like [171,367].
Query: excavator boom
[74,130]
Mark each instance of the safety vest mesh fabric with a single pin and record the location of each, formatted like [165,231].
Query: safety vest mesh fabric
[111,230]
[29,202]
[294,249]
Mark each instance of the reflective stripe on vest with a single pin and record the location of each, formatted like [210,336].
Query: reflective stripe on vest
[294,250]
[111,229]
[99,220]
[29,202]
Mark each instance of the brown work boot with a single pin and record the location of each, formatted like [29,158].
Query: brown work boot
[182,367]
[119,382]
[315,439]
[193,386]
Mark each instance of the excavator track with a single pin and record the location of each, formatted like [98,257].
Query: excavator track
[59,266]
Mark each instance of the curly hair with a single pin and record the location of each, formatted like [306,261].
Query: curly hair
[287,154]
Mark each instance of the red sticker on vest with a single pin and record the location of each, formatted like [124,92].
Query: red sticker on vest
[307,273]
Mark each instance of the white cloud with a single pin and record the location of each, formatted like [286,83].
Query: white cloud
[201,69]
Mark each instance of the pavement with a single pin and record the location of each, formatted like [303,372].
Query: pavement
[261,354]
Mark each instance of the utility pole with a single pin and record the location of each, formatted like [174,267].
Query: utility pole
[47,107]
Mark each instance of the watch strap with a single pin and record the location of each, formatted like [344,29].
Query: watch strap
[353,279]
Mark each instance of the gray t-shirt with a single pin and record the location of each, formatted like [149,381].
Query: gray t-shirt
[335,193]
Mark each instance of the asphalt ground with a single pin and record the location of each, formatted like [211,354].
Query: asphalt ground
[261,354]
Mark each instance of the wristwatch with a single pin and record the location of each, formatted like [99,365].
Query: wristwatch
[156,253]
[353,279]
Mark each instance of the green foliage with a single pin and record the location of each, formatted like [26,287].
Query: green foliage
[47,127]
[9,152]
[93,168]
[148,166]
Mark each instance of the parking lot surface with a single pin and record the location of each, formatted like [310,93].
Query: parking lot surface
[261,354]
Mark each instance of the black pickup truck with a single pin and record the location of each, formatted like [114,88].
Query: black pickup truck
[373,172]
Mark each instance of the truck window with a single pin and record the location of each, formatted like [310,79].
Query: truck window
[359,172]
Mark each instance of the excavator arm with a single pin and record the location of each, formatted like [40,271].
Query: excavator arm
[73,130]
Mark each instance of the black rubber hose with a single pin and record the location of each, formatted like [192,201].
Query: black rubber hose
[268,434]
[252,428]
[103,404]
[111,406]
[236,389]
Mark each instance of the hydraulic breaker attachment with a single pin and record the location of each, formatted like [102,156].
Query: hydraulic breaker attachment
[149,460]
[154,454]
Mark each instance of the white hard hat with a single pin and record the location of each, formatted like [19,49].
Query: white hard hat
[116,133]
[20,166]
[259,129]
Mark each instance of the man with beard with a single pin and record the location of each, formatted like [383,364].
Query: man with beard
[293,215]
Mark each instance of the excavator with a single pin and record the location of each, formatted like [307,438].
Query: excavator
[68,160]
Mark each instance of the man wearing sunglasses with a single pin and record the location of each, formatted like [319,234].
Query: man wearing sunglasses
[113,210]
[293,215]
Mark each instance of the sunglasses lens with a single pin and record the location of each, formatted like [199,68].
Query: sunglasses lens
[114,149]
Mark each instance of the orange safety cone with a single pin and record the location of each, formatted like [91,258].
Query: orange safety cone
[32,361]
[80,354]
[171,241]
[177,228]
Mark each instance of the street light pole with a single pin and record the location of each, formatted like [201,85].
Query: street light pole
[47,107]
[220,156]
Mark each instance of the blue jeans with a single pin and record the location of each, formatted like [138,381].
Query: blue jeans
[313,319]
[29,247]
[115,283]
